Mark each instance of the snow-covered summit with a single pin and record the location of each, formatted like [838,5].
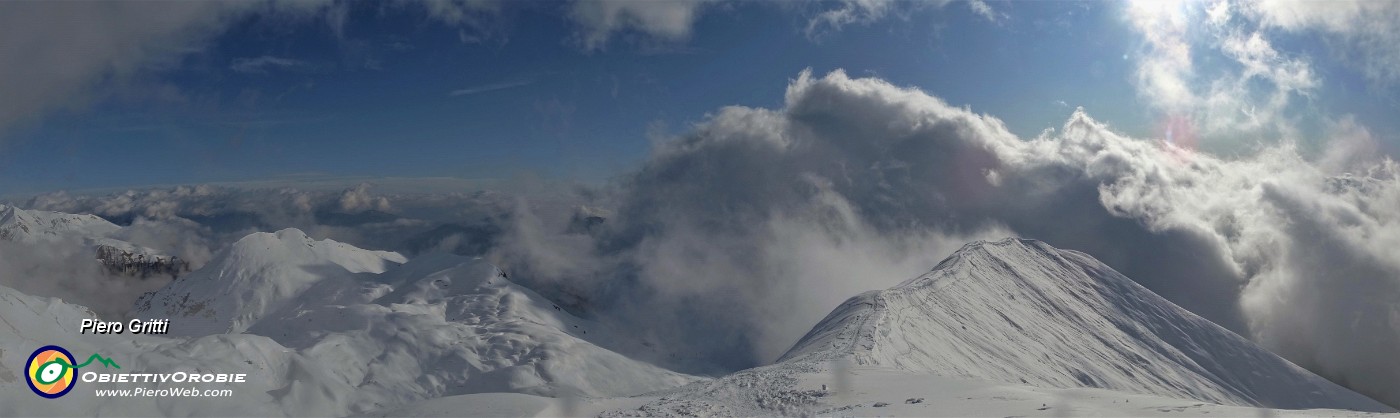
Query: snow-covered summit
[255,276]
[31,225]
[439,325]
[1023,312]
[444,325]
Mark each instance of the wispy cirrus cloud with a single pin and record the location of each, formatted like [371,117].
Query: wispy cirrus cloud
[864,12]
[1210,70]
[1366,33]
[484,88]
[598,21]
[264,64]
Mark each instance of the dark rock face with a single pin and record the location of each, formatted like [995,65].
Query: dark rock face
[122,262]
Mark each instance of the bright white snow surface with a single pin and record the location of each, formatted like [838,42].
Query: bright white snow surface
[327,336]
[325,329]
[1021,311]
[870,391]
[1007,328]
[258,275]
[33,225]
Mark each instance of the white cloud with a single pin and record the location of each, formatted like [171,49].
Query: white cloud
[1165,70]
[460,11]
[261,64]
[664,20]
[489,87]
[476,20]
[1368,32]
[57,54]
[66,268]
[849,12]
[51,53]
[864,12]
[358,199]
[756,222]
[1248,96]
[981,8]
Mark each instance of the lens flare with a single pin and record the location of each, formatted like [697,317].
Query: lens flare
[1178,134]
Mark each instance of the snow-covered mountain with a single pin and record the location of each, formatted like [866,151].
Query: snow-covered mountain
[1022,312]
[393,333]
[1013,327]
[32,225]
[1007,328]
[331,330]
[390,329]
[255,276]
[93,234]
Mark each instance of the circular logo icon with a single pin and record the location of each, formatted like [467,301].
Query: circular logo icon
[50,371]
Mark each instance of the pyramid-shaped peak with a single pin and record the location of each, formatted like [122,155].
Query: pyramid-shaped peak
[1009,253]
[993,247]
[1023,312]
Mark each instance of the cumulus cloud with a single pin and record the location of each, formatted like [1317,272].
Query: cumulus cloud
[358,199]
[735,237]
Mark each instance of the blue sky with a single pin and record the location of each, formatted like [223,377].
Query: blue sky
[266,90]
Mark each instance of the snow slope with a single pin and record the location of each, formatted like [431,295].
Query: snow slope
[30,225]
[328,329]
[90,233]
[29,322]
[1023,312]
[870,391]
[1007,328]
[255,276]
[328,336]
[444,325]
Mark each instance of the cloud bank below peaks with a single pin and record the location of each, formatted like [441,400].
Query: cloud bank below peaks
[747,229]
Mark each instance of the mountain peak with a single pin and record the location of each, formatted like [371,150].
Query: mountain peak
[27,225]
[256,276]
[1023,312]
[291,233]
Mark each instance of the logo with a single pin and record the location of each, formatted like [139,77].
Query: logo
[51,370]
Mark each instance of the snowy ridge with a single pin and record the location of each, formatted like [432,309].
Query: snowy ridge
[456,326]
[1023,312]
[93,234]
[329,335]
[31,225]
[438,325]
[256,276]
